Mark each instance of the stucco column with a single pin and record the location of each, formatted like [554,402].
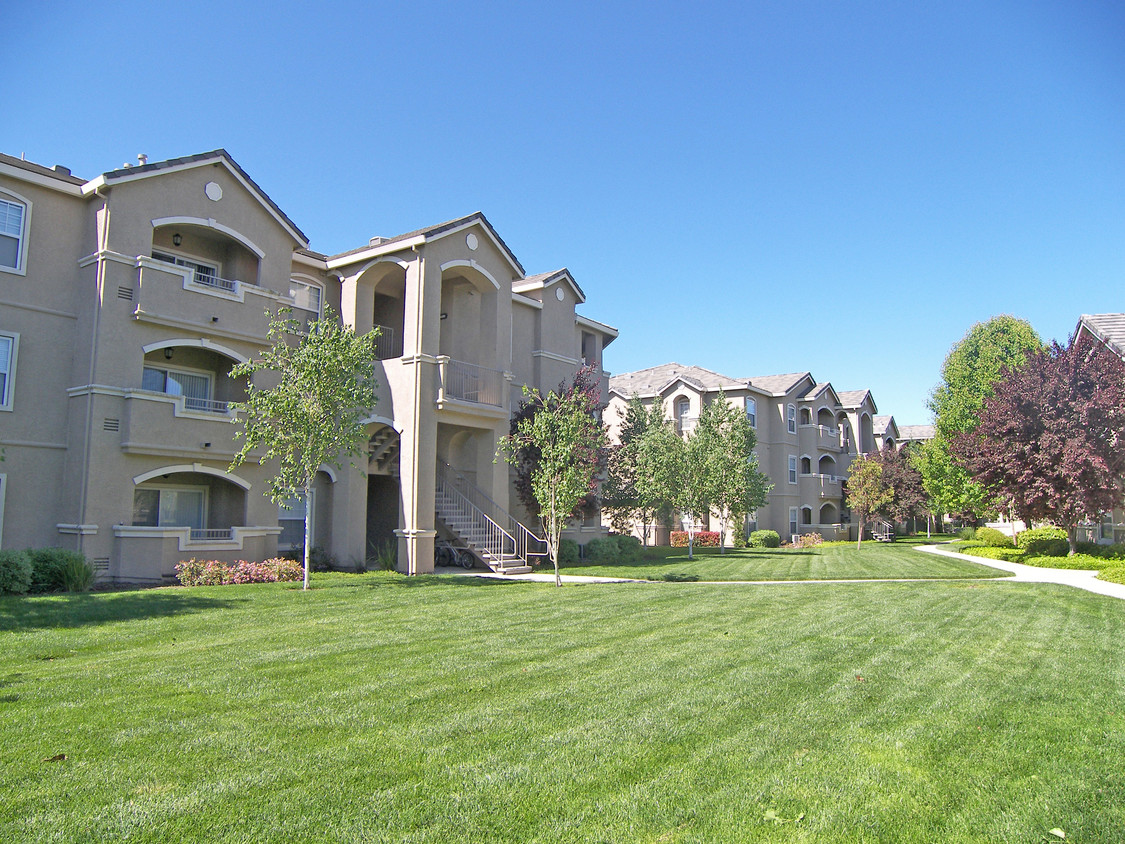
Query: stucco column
[418,452]
[349,516]
[357,303]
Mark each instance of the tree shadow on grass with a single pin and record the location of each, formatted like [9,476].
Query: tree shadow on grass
[679,560]
[68,611]
[397,580]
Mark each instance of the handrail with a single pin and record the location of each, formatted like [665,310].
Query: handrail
[469,502]
[458,379]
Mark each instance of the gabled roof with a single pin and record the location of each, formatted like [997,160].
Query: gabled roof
[383,245]
[916,433]
[145,171]
[779,384]
[654,380]
[882,425]
[542,281]
[854,398]
[824,391]
[1109,328]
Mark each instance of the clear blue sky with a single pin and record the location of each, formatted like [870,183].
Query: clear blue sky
[756,188]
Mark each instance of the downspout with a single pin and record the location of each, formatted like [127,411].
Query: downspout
[103,244]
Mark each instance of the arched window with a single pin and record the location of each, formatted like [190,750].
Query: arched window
[752,412]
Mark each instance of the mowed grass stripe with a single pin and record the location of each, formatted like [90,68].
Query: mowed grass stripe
[378,708]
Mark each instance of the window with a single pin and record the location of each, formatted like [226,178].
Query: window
[683,421]
[170,507]
[792,521]
[202,273]
[13,225]
[195,387]
[792,468]
[291,520]
[305,296]
[791,416]
[8,345]
[752,412]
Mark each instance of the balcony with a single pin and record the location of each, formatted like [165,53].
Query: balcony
[150,554]
[467,382]
[158,423]
[821,486]
[388,345]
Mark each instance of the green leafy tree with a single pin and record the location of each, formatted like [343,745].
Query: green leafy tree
[722,450]
[639,483]
[559,442]
[970,370]
[314,413]
[908,497]
[868,493]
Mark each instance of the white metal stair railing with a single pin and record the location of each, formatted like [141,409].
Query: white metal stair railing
[496,537]
[883,531]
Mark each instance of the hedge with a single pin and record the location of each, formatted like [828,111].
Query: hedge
[703,538]
[217,573]
[765,539]
[994,538]
[1044,542]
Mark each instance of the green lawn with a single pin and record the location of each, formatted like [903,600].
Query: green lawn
[874,561]
[380,708]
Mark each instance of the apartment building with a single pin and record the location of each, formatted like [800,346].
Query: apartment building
[126,299]
[808,434]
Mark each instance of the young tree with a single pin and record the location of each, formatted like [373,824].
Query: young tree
[660,459]
[1052,436]
[629,494]
[722,450]
[908,497]
[558,440]
[969,371]
[314,415]
[867,492]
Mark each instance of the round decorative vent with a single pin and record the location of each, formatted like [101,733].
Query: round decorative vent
[213,191]
[559,293]
[471,241]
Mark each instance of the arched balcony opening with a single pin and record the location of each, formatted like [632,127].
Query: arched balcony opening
[806,416]
[806,466]
[208,506]
[845,428]
[387,280]
[829,514]
[806,516]
[827,465]
[866,434]
[824,418]
[216,259]
[196,376]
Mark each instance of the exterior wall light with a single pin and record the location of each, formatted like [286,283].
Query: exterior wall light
[176,239]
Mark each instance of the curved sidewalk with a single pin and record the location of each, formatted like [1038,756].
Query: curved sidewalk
[1080,579]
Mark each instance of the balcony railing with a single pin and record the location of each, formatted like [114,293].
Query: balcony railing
[215,281]
[206,405]
[387,346]
[210,534]
[471,383]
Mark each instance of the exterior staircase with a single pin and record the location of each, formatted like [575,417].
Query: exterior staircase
[479,524]
[883,531]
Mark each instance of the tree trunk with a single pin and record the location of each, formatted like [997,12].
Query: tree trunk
[308,532]
[859,537]
[1071,540]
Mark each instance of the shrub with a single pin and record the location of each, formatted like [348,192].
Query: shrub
[217,573]
[807,540]
[703,539]
[1106,552]
[994,538]
[568,553]
[1078,561]
[765,539]
[47,566]
[78,574]
[993,552]
[967,533]
[1114,574]
[386,555]
[15,572]
[678,577]
[628,547]
[1044,542]
[319,559]
[738,537]
[603,550]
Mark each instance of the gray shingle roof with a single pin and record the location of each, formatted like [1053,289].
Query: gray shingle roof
[647,382]
[916,432]
[32,167]
[778,383]
[1109,328]
[880,424]
[853,398]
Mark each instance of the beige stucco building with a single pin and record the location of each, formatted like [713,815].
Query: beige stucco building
[808,434]
[126,299]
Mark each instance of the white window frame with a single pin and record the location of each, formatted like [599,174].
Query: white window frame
[792,468]
[312,284]
[3,492]
[177,488]
[310,514]
[7,398]
[188,262]
[791,418]
[752,412]
[793,521]
[186,370]
[25,229]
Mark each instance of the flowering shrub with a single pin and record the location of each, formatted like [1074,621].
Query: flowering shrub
[216,573]
[805,540]
[703,538]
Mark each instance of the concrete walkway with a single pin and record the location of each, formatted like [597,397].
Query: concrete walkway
[1023,574]
[1034,574]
